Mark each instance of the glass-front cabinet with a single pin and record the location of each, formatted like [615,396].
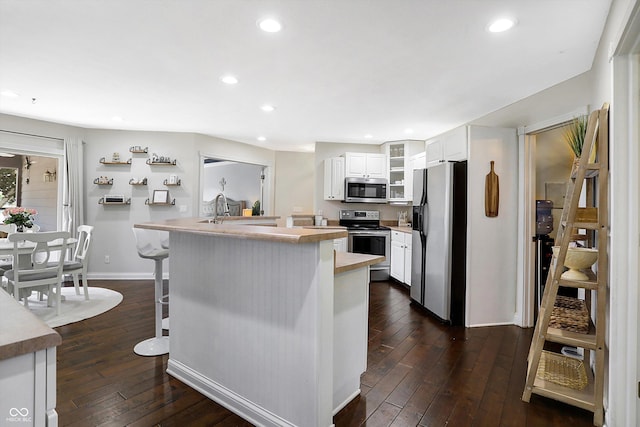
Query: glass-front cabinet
[400,172]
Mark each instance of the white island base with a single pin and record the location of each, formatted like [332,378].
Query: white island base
[265,328]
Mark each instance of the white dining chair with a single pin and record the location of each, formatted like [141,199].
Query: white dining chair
[78,265]
[149,246]
[5,261]
[43,272]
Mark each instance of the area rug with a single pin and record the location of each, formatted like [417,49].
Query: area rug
[75,308]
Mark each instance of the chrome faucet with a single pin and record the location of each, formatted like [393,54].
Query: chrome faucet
[225,209]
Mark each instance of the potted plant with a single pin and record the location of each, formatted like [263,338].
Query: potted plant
[574,136]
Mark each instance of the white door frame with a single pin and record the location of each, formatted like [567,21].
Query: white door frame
[624,338]
[35,145]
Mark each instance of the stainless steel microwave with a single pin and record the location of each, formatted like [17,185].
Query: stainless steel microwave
[365,190]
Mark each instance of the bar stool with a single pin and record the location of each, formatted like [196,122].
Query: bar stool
[149,249]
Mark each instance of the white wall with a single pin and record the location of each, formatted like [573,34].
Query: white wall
[113,223]
[492,241]
[294,183]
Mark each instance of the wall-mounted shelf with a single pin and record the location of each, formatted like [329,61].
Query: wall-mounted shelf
[139,150]
[152,163]
[143,182]
[104,161]
[171,203]
[103,202]
[169,184]
[103,181]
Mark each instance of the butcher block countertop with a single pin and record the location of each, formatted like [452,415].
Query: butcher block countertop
[21,332]
[346,261]
[246,231]
[403,229]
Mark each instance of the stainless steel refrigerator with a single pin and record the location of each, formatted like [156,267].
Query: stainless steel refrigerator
[439,238]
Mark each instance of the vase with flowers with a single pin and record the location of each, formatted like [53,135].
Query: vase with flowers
[21,217]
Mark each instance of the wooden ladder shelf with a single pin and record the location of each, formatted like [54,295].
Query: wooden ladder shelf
[549,373]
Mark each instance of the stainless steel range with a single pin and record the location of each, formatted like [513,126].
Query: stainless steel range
[367,236]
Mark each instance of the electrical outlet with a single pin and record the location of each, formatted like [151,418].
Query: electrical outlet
[107,259]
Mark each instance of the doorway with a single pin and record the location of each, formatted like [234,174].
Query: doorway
[31,181]
[244,185]
[546,166]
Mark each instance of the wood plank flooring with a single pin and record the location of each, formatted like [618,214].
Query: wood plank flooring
[420,373]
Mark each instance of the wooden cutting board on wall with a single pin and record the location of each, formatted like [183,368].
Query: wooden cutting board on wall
[491,193]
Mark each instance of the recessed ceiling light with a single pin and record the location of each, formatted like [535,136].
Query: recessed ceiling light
[270,25]
[229,79]
[9,94]
[368,136]
[261,138]
[408,130]
[502,24]
[268,108]
[7,155]
[116,118]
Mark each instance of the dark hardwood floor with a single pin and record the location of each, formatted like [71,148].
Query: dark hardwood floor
[419,373]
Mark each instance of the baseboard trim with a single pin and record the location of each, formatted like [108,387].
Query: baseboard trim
[225,397]
[346,402]
[123,276]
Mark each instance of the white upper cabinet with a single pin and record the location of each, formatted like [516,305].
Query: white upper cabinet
[456,144]
[400,169]
[434,153]
[366,165]
[451,146]
[334,178]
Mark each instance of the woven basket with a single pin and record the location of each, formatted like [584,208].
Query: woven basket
[562,370]
[570,314]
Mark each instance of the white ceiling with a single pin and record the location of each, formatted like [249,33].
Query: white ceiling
[338,70]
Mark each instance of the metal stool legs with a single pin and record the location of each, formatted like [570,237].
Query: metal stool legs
[159,344]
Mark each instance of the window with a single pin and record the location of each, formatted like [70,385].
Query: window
[8,187]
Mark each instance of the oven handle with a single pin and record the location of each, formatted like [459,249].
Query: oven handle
[370,233]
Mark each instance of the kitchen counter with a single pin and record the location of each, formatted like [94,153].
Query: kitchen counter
[21,332]
[27,366]
[403,229]
[248,231]
[268,321]
[347,261]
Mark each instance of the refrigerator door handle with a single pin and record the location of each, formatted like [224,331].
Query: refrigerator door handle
[425,220]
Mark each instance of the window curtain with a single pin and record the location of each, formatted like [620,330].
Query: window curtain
[72,193]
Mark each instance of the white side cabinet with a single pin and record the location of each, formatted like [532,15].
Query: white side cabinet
[365,165]
[340,245]
[401,256]
[407,258]
[450,146]
[334,178]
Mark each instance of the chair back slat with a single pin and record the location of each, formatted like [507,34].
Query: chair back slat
[40,267]
[84,242]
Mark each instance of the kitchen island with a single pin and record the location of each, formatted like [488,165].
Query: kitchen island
[269,322]
[27,366]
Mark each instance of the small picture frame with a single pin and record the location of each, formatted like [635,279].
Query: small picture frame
[160,196]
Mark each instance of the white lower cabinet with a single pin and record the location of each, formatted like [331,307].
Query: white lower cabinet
[340,245]
[401,256]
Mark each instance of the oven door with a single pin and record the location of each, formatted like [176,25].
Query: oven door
[371,243]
